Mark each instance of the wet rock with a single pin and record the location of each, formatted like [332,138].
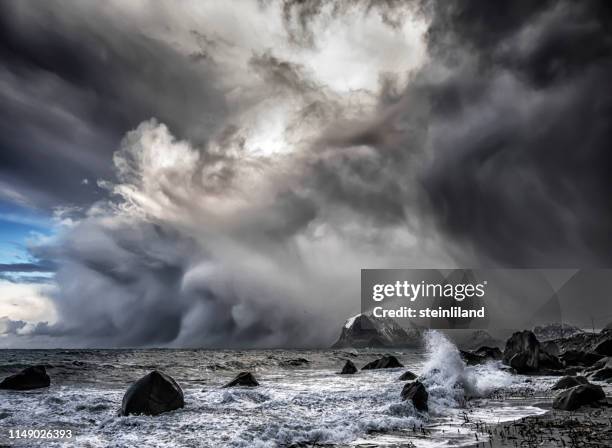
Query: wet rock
[489,352]
[526,344]
[472,359]
[243,379]
[386,362]
[604,374]
[349,368]
[152,394]
[407,376]
[550,347]
[604,347]
[579,358]
[523,354]
[569,381]
[417,393]
[481,355]
[601,364]
[34,377]
[547,361]
[575,397]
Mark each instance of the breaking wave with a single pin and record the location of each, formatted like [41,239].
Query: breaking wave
[450,382]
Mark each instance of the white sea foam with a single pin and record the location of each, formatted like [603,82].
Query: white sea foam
[450,381]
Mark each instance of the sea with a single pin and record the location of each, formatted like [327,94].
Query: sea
[297,404]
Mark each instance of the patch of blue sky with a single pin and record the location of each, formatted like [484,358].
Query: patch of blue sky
[18,225]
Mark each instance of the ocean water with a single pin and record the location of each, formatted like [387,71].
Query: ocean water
[294,406]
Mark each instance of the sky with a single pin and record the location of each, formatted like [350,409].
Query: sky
[215,174]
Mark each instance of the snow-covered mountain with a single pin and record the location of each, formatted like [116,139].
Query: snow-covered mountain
[362,331]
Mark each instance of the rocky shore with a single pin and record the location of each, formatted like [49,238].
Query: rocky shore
[586,427]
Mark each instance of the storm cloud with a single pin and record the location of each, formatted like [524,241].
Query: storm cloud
[245,172]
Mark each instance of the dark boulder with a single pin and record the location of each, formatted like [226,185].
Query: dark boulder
[243,379]
[601,364]
[550,347]
[549,362]
[152,394]
[569,381]
[386,362]
[604,347]
[34,377]
[349,368]
[582,395]
[489,352]
[526,344]
[471,359]
[579,358]
[407,376]
[604,374]
[521,363]
[417,393]
[524,354]
[481,355]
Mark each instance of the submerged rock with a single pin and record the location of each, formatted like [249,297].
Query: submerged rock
[243,379]
[349,368]
[386,362]
[582,395]
[417,393]
[34,377]
[569,381]
[153,394]
[296,362]
[407,376]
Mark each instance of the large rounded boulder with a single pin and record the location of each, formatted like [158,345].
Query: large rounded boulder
[582,395]
[153,394]
[34,377]
[386,362]
[417,393]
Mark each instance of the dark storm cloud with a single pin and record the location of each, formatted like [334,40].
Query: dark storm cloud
[501,139]
[521,136]
[73,81]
